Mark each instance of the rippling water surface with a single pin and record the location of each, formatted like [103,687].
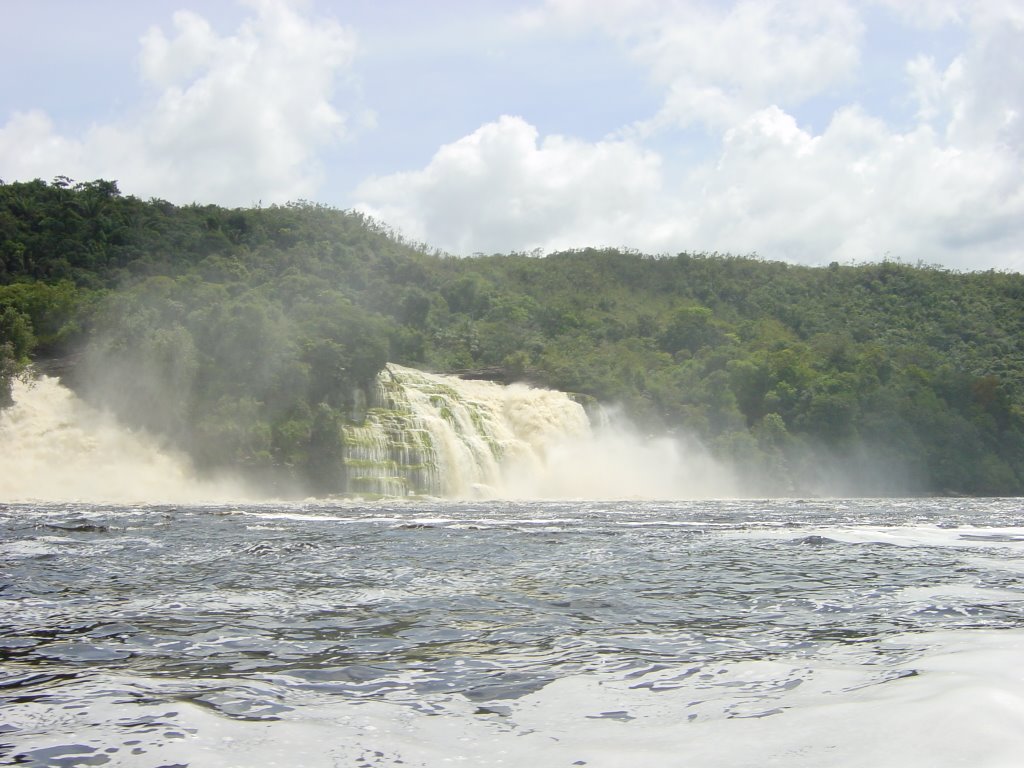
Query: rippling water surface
[881,633]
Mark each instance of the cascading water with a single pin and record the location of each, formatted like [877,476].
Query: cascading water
[444,436]
[426,434]
[57,448]
[423,434]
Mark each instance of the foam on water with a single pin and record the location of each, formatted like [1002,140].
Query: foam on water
[958,699]
[961,537]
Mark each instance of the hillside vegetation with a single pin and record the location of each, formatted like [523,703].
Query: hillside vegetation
[241,335]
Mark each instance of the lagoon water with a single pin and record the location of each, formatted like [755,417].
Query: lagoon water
[883,633]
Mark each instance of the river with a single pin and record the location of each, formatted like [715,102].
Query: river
[883,633]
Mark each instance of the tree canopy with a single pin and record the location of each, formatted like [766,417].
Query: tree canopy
[244,336]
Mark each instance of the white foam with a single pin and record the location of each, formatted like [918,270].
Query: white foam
[954,699]
[963,537]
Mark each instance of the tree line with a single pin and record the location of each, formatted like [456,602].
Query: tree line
[244,336]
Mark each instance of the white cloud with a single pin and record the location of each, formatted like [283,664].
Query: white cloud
[232,119]
[982,91]
[502,188]
[855,192]
[719,62]
[949,189]
[244,116]
[28,141]
[859,191]
[166,63]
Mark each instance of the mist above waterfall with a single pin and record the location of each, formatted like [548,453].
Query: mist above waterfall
[57,448]
[427,435]
[423,435]
[615,461]
[444,436]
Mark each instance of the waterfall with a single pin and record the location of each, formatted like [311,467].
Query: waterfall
[423,434]
[426,434]
[444,436]
[57,448]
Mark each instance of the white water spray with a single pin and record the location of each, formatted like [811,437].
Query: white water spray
[445,436]
[54,447]
[424,435]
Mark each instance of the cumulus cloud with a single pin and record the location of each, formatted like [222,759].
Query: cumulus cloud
[503,187]
[855,192]
[233,118]
[230,119]
[859,191]
[30,146]
[980,95]
[948,189]
[718,62]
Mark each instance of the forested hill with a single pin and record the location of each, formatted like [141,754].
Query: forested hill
[241,335]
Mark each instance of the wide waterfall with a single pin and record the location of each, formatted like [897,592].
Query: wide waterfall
[444,436]
[423,435]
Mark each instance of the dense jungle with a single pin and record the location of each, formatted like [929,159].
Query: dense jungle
[243,337]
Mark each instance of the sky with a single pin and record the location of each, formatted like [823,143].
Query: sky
[798,130]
